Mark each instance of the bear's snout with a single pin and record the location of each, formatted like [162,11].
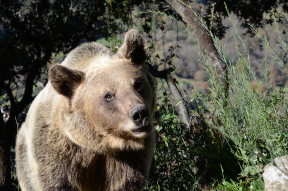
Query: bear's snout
[140,115]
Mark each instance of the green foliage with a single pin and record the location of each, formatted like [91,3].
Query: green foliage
[173,163]
[235,137]
[249,12]
[187,159]
[255,120]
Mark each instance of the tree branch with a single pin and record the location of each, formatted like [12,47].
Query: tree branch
[165,74]
[28,98]
[10,95]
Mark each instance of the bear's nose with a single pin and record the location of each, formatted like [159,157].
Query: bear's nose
[139,115]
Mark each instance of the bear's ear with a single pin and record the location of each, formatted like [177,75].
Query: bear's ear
[65,80]
[133,47]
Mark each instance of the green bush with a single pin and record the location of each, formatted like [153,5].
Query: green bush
[188,159]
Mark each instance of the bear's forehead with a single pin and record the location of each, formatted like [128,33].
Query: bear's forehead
[111,71]
[106,64]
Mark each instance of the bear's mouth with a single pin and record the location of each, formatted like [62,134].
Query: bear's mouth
[143,129]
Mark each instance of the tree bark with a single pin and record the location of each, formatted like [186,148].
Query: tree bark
[165,74]
[5,171]
[204,39]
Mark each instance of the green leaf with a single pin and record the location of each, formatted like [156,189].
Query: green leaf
[253,158]
[253,171]
[257,184]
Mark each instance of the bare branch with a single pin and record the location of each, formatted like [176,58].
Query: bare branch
[178,96]
[165,74]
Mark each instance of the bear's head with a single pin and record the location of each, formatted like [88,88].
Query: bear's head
[111,103]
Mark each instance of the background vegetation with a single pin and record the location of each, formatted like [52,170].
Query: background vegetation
[235,137]
[231,139]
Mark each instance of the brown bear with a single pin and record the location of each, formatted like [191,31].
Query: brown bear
[91,127]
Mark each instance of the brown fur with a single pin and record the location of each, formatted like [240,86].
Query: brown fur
[75,137]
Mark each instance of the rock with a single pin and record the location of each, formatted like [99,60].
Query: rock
[276,174]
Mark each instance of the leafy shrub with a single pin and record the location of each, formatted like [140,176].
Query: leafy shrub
[187,159]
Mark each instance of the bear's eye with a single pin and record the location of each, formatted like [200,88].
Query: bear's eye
[138,86]
[108,97]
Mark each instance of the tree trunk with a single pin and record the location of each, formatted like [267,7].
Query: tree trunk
[11,129]
[204,39]
[5,171]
